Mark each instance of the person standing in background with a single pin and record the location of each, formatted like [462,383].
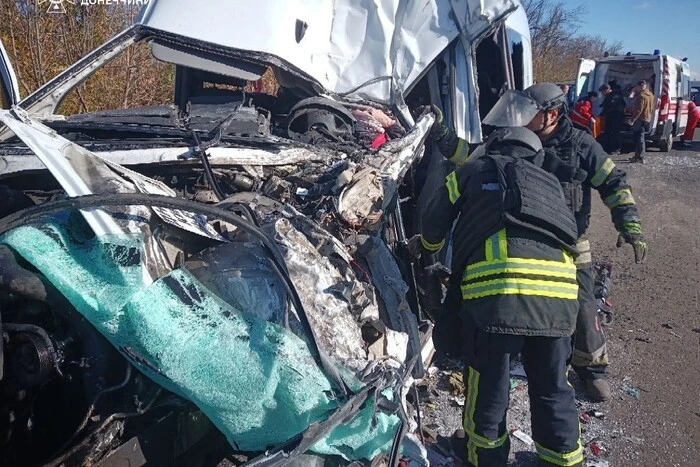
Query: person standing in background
[693,119]
[641,116]
[613,110]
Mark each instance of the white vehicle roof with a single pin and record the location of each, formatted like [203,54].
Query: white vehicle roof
[367,50]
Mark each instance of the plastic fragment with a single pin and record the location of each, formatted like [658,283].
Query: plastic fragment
[634,392]
[513,384]
[379,141]
[584,417]
[522,436]
[459,400]
[596,449]
[596,414]
[598,463]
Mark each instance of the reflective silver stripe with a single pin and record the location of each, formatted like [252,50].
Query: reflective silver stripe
[584,249]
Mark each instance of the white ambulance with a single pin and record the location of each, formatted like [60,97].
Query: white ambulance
[669,81]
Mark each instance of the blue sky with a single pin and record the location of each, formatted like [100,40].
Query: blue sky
[645,25]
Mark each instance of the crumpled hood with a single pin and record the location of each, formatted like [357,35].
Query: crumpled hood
[374,50]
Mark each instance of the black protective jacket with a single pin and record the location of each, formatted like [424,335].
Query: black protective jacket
[582,151]
[514,279]
[613,107]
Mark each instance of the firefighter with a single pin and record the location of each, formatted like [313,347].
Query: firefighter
[581,165]
[513,248]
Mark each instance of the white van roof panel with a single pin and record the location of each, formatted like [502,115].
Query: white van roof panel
[368,50]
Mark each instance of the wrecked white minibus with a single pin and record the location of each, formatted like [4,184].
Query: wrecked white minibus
[223,280]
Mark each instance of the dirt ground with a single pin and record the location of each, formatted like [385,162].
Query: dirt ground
[654,343]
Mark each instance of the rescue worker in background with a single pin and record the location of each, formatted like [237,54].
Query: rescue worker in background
[613,111]
[583,165]
[513,248]
[641,116]
[693,119]
[582,113]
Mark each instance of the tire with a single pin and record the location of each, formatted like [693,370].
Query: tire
[666,144]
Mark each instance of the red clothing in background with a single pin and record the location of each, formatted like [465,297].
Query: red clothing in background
[693,119]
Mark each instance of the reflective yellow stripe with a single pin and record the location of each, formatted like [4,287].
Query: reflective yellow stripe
[602,174]
[619,198]
[472,389]
[632,227]
[551,269]
[567,459]
[524,261]
[513,286]
[502,245]
[485,443]
[471,453]
[431,246]
[461,153]
[496,247]
[474,440]
[567,257]
[452,187]
[497,262]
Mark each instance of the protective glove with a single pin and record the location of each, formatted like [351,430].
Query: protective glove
[438,130]
[636,239]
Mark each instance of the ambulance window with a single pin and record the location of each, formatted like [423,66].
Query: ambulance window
[686,87]
[516,48]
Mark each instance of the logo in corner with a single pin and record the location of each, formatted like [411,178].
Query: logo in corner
[56,6]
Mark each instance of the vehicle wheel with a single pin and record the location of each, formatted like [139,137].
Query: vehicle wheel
[666,144]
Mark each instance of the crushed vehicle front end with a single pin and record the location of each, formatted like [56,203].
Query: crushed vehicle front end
[224,277]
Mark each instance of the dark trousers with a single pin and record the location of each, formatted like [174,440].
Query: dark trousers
[613,127]
[640,131]
[555,426]
[590,358]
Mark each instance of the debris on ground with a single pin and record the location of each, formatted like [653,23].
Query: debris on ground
[456,383]
[584,417]
[632,391]
[522,436]
[596,448]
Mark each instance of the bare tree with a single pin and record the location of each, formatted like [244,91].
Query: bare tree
[556,42]
[41,45]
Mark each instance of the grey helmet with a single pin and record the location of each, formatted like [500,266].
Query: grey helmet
[514,136]
[548,96]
